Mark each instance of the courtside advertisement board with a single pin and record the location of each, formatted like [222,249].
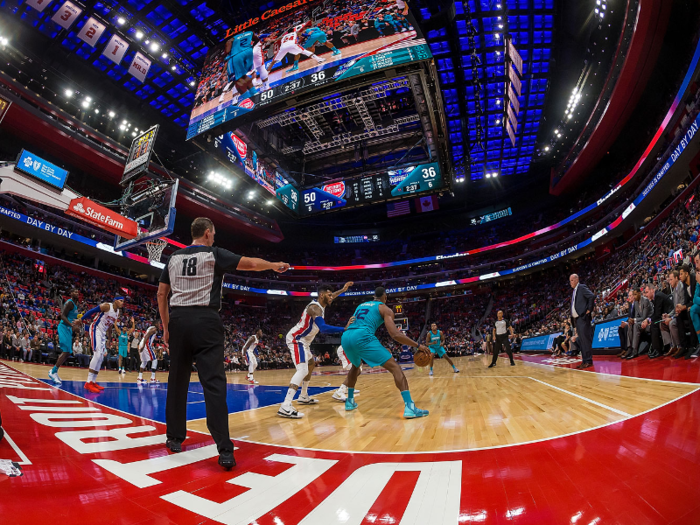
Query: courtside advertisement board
[139,155]
[299,46]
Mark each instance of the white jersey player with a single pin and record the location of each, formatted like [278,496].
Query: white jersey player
[250,351]
[299,341]
[342,393]
[147,350]
[259,64]
[289,45]
[107,315]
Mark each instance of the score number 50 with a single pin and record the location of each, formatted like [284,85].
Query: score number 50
[428,174]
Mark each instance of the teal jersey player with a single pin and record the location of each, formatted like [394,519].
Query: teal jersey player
[124,335]
[69,321]
[435,340]
[361,344]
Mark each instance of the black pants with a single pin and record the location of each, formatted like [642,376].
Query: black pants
[197,334]
[585,337]
[501,341]
[622,334]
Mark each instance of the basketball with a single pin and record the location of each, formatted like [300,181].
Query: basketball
[421,358]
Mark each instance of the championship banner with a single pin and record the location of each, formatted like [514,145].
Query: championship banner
[4,106]
[86,210]
[39,5]
[91,31]
[511,133]
[67,14]
[515,57]
[512,119]
[116,49]
[139,67]
[514,99]
[514,80]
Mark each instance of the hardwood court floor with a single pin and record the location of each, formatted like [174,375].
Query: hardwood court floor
[477,408]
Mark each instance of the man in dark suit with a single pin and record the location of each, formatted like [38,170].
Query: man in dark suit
[622,331]
[643,309]
[581,308]
[662,304]
[683,311]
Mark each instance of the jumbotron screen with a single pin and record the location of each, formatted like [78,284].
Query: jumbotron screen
[298,46]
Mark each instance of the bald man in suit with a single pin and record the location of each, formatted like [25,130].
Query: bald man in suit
[581,309]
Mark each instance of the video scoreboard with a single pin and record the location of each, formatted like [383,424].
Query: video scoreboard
[402,182]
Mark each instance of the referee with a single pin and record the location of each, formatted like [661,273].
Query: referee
[500,336]
[195,276]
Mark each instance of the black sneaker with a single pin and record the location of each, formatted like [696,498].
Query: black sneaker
[492,365]
[173,446]
[226,460]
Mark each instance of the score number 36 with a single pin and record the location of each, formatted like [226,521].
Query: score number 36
[429,173]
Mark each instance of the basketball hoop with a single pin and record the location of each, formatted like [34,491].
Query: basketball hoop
[155,249]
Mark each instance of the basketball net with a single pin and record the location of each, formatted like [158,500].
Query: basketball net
[155,249]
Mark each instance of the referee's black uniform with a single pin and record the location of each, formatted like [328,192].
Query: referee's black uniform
[195,275]
[502,329]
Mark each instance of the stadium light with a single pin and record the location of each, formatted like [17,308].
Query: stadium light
[122,127]
[494,174]
[4,41]
[164,56]
[138,35]
[89,99]
[97,111]
[546,148]
[121,21]
[112,114]
[488,175]
[124,122]
[173,67]
[133,133]
[86,103]
[192,83]
[269,202]
[69,93]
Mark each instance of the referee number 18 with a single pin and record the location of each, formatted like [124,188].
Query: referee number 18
[189,266]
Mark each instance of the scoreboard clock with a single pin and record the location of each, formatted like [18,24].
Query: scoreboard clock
[415,179]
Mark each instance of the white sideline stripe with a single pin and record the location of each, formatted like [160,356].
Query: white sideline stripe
[25,459]
[417,453]
[624,414]
[557,367]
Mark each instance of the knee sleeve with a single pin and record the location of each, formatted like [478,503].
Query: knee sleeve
[154,365]
[300,374]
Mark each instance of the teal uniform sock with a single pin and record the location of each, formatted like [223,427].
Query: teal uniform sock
[54,370]
[406,394]
[351,394]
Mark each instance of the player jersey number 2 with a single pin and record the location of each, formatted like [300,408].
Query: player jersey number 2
[361,314]
[189,266]
[292,37]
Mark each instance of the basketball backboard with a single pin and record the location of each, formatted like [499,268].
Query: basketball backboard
[152,206]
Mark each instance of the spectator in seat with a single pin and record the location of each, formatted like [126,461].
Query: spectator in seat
[662,305]
[623,329]
[642,310]
[683,312]
[26,350]
[35,345]
[80,356]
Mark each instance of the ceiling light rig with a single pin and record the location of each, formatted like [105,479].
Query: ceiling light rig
[220,180]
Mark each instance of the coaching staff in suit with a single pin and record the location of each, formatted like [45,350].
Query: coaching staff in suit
[195,276]
[581,308]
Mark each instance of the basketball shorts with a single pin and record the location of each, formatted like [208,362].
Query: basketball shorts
[147,354]
[347,365]
[65,338]
[239,64]
[124,351]
[252,360]
[440,351]
[301,353]
[316,39]
[292,49]
[360,346]
[98,340]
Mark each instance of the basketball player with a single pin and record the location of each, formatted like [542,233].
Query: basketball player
[124,343]
[239,62]
[259,62]
[289,45]
[69,323]
[108,313]
[342,393]
[251,352]
[299,341]
[361,344]
[148,353]
[402,6]
[313,36]
[435,340]
[500,336]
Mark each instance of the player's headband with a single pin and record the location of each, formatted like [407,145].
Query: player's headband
[120,298]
